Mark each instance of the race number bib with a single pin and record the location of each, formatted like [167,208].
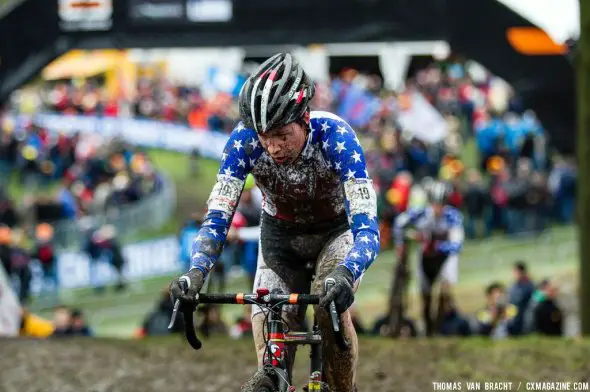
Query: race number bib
[225,194]
[361,196]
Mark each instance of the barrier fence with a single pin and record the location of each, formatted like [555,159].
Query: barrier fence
[151,212]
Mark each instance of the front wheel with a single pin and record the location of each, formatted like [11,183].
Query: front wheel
[260,382]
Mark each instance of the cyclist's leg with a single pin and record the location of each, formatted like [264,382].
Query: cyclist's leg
[425,285]
[448,278]
[339,367]
[282,279]
[428,270]
[449,274]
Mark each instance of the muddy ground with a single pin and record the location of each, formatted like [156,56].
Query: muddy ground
[170,365]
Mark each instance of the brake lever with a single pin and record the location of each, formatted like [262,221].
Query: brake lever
[183,282]
[329,283]
[339,336]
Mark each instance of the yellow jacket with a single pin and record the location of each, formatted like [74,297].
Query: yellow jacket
[35,326]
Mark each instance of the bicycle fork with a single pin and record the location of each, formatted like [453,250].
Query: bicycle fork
[276,358]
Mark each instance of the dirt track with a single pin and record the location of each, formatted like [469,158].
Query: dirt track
[222,365]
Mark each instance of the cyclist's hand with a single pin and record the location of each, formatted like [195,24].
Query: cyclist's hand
[195,280]
[342,292]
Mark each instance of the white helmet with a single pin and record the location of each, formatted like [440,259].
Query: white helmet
[438,192]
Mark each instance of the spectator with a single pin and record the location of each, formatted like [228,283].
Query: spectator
[452,322]
[44,252]
[187,235]
[544,314]
[243,326]
[496,320]
[477,205]
[8,214]
[111,252]
[5,241]
[562,184]
[62,320]
[156,322]
[20,265]
[78,325]
[520,294]
[35,326]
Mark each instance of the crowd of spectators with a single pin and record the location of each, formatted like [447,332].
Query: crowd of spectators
[66,322]
[487,128]
[91,175]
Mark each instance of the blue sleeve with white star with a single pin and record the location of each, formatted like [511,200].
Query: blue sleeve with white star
[345,156]
[456,236]
[239,157]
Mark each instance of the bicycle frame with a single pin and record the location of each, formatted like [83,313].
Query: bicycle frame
[275,360]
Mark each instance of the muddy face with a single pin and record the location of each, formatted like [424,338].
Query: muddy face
[284,144]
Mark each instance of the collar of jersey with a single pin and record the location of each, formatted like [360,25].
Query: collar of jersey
[308,150]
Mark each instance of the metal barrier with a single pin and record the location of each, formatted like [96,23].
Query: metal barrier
[150,212]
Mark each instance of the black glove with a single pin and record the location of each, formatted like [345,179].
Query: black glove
[342,292]
[194,279]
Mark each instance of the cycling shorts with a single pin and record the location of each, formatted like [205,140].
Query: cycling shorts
[439,265]
[291,254]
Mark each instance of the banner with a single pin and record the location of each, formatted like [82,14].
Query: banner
[156,11]
[85,15]
[10,310]
[209,10]
[145,133]
[422,120]
[142,260]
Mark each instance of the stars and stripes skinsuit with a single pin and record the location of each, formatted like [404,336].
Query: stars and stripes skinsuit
[443,238]
[325,189]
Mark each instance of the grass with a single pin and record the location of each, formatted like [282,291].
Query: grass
[168,364]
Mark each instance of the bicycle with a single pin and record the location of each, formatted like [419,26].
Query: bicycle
[398,293]
[399,288]
[274,375]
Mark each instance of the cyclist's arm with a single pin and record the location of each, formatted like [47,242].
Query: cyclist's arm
[239,156]
[403,221]
[454,243]
[344,154]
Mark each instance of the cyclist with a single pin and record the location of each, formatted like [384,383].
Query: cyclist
[319,205]
[439,229]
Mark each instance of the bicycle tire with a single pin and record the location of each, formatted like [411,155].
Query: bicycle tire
[398,292]
[260,382]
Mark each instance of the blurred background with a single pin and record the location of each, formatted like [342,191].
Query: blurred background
[113,117]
